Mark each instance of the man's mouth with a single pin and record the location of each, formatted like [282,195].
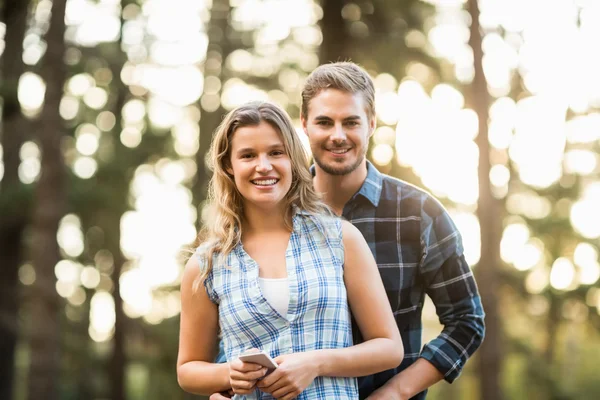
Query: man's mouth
[339,151]
[264,182]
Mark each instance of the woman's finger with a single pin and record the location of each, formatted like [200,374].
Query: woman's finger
[248,376]
[239,365]
[242,386]
[286,392]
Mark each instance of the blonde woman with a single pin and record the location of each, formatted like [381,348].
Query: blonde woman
[277,272]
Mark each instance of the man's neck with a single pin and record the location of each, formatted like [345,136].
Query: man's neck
[337,190]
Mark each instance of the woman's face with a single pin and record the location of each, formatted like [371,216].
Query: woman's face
[260,166]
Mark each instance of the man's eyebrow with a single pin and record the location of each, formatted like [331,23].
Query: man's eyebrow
[326,118]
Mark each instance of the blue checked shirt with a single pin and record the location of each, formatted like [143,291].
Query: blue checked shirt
[318,315]
[419,251]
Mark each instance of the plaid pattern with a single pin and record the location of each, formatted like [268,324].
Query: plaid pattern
[318,315]
[418,251]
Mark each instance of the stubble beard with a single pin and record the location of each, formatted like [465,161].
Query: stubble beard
[341,170]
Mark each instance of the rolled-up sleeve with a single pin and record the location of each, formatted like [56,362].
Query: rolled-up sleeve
[451,286]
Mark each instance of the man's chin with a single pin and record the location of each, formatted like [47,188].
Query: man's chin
[337,169]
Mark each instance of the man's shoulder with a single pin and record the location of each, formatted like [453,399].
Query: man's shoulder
[410,198]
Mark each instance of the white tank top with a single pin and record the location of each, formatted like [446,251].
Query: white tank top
[276,292]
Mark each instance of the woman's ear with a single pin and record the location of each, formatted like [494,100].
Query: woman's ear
[227,168]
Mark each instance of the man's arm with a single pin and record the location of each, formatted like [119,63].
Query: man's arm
[413,380]
[450,284]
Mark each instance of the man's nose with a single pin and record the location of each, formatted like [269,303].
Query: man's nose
[264,164]
[339,135]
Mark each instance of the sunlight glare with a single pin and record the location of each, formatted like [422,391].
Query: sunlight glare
[382,154]
[562,274]
[31,92]
[87,143]
[581,162]
[69,107]
[90,277]
[69,236]
[530,255]
[468,225]
[537,280]
[585,213]
[514,238]
[85,167]
[79,84]
[186,134]
[102,316]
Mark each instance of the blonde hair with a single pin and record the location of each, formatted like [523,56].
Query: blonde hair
[343,75]
[223,232]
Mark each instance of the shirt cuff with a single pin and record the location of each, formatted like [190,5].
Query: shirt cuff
[448,367]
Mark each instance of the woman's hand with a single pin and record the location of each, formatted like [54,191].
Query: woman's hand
[243,376]
[294,374]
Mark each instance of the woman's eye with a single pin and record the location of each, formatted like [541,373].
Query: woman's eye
[277,153]
[246,156]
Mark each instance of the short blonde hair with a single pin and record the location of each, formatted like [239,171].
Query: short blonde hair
[344,76]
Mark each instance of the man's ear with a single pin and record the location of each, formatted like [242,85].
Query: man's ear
[372,125]
[304,123]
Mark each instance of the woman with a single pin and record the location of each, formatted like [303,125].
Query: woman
[276,271]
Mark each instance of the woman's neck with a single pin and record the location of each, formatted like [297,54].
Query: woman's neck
[257,220]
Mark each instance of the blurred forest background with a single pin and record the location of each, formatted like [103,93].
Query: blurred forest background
[107,110]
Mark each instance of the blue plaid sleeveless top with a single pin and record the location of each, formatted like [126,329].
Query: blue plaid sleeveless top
[318,315]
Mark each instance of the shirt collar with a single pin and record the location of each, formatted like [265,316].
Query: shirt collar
[371,187]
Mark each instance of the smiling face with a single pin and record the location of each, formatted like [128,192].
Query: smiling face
[260,166]
[338,128]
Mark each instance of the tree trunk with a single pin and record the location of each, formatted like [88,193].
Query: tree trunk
[12,226]
[119,360]
[489,213]
[219,46]
[333,28]
[50,198]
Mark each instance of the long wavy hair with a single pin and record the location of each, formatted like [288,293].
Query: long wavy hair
[223,229]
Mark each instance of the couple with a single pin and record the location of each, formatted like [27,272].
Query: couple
[277,270]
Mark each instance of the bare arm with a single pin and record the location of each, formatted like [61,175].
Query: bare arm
[198,339]
[382,348]
[413,380]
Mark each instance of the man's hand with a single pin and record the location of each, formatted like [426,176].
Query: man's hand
[222,396]
[294,374]
[243,376]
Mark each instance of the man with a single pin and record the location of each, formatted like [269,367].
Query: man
[415,243]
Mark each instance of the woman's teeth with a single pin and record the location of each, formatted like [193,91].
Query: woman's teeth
[266,182]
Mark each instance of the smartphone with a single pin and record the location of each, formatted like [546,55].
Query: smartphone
[260,358]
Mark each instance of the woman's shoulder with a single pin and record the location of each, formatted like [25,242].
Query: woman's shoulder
[324,217]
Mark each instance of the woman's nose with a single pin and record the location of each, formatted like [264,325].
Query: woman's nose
[264,165]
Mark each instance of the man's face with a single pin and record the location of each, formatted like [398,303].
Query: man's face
[338,129]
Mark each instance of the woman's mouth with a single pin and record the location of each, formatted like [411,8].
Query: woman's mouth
[264,182]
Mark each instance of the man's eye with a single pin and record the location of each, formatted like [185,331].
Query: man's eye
[352,123]
[323,123]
